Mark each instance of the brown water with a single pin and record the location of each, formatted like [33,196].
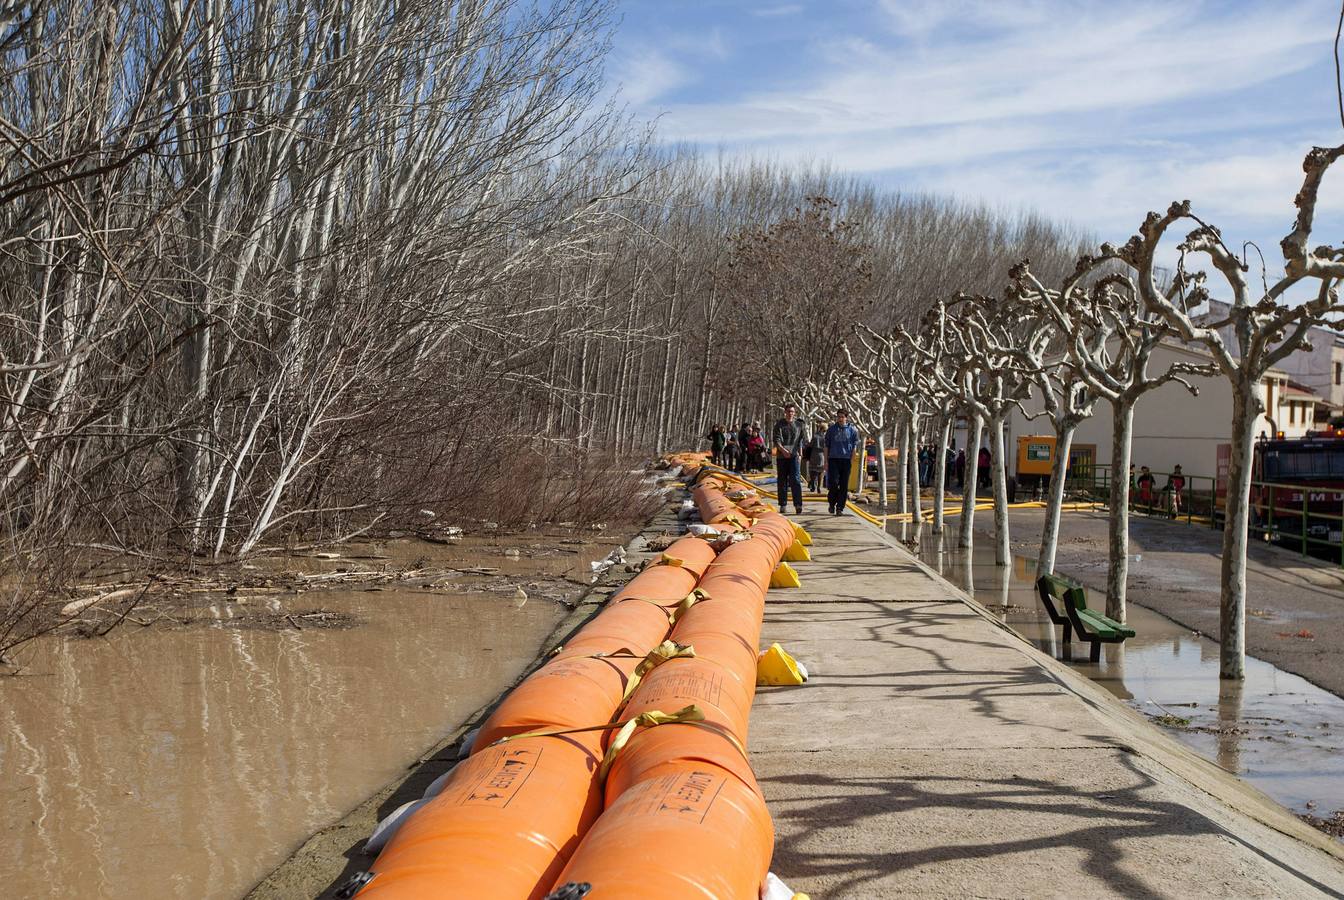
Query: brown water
[1280,732]
[189,763]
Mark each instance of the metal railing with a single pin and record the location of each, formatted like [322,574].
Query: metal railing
[1284,514]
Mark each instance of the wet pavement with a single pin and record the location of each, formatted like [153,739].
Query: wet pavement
[933,753]
[190,762]
[1278,731]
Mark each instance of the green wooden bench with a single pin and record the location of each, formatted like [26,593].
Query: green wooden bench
[1090,625]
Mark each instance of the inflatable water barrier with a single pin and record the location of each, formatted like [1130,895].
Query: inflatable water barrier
[623,756]
[689,786]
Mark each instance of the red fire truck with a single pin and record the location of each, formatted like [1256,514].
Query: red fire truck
[1290,476]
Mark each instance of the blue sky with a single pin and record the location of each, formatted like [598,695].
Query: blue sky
[1094,112]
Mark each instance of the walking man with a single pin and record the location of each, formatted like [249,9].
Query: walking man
[842,439]
[788,439]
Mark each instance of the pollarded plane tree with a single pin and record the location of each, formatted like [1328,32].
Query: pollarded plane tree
[1111,339]
[952,378]
[980,335]
[1066,400]
[934,394]
[875,370]
[1259,330]
[895,364]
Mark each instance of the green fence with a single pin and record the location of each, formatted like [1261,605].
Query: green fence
[1284,514]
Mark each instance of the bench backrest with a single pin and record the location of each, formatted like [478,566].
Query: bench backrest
[1060,589]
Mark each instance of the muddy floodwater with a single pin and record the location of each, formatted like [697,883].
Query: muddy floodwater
[190,762]
[1277,730]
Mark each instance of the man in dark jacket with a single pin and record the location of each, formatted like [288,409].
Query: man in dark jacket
[788,438]
[743,438]
[842,440]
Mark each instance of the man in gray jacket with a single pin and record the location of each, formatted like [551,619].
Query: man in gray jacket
[788,438]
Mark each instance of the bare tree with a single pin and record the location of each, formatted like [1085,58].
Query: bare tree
[1111,340]
[1067,402]
[1265,329]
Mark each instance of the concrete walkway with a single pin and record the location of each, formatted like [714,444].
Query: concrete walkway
[934,753]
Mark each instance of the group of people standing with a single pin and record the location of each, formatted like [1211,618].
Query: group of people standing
[822,455]
[1143,490]
[744,450]
[955,467]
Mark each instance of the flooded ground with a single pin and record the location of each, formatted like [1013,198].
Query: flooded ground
[1276,730]
[188,760]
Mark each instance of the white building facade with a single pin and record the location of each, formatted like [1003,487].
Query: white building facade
[1172,426]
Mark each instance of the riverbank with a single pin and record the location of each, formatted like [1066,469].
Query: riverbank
[936,753]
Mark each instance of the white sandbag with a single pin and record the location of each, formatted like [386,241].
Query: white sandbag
[388,827]
[467,740]
[436,786]
[699,529]
[775,889]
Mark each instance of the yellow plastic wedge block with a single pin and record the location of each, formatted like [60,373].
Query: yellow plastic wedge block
[800,535]
[784,576]
[797,552]
[776,666]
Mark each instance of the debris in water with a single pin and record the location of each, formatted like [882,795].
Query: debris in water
[519,598]
[1172,721]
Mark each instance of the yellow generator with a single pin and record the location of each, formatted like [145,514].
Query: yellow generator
[1035,456]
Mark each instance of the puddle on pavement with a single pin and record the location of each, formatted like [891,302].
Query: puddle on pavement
[189,763]
[1275,729]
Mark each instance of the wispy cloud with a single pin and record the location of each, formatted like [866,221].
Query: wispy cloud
[1127,60]
[646,74]
[778,10]
[1081,109]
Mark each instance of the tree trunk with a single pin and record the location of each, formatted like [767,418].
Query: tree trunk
[1003,554]
[1054,503]
[966,529]
[1232,608]
[940,475]
[1117,573]
[881,469]
[912,467]
[902,470]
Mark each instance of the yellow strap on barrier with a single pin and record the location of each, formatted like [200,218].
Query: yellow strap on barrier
[653,717]
[687,602]
[655,658]
[666,560]
[690,713]
[679,607]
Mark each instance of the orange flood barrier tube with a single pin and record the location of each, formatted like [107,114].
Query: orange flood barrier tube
[688,829]
[512,813]
[503,828]
[583,684]
[684,816]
